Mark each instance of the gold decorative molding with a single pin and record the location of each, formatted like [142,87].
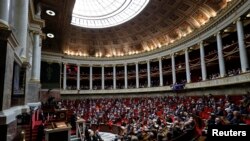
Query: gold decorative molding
[35,30]
[25,63]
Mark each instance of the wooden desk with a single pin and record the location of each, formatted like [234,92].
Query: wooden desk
[58,131]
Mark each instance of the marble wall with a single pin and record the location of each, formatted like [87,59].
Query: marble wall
[8,131]
[32,94]
[6,73]
[11,130]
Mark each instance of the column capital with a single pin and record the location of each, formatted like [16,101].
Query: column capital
[41,34]
[4,24]
[201,42]
[217,33]
[238,19]
[26,64]
[35,31]
[64,63]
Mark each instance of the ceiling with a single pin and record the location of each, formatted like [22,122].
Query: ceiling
[160,23]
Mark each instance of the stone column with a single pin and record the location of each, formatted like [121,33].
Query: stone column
[33,86]
[125,76]
[4,11]
[103,80]
[242,49]
[187,66]
[36,58]
[203,65]
[65,76]
[21,25]
[6,72]
[137,74]
[220,55]
[160,72]
[78,77]
[91,77]
[114,76]
[148,72]
[173,69]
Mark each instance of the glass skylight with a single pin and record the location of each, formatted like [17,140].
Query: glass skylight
[105,13]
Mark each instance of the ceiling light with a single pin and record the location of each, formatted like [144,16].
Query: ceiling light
[248,15]
[50,12]
[50,35]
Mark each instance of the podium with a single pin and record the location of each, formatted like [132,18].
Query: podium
[58,131]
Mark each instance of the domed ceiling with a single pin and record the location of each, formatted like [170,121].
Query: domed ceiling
[160,23]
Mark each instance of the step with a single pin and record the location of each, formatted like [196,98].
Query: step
[74,138]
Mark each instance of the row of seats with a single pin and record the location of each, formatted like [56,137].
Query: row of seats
[147,111]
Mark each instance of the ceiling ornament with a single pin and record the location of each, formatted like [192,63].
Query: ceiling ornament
[105,13]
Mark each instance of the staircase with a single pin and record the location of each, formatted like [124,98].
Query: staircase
[74,138]
[26,129]
[34,133]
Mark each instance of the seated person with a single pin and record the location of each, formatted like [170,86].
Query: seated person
[211,120]
[236,120]
[176,129]
[218,121]
[169,119]
[97,136]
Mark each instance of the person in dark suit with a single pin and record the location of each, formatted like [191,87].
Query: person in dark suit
[236,118]
[87,136]
[73,119]
[211,120]
[97,136]
[40,132]
[42,116]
